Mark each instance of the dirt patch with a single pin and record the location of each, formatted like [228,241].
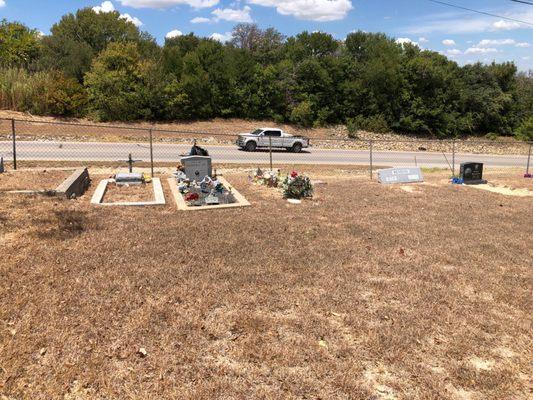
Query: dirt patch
[505,190]
[331,299]
[133,193]
[32,180]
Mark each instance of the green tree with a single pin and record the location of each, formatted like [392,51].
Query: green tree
[79,37]
[19,45]
[118,86]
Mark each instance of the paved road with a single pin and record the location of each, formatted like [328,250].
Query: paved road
[94,151]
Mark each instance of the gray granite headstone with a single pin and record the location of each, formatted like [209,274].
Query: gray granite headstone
[400,175]
[131,178]
[197,167]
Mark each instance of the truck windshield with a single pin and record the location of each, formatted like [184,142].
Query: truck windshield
[257,132]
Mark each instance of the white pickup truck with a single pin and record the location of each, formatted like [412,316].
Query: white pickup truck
[266,137]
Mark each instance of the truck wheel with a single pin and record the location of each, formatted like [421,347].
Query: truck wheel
[296,147]
[250,146]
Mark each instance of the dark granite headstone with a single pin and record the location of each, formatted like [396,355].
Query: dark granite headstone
[2,170]
[472,173]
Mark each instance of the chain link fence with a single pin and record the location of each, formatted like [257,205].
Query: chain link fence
[34,143]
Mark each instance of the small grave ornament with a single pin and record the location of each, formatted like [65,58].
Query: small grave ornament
[212,200]
[2,169]
[472,173]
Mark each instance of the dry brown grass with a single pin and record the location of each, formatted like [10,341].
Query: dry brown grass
[377,294]
[32,180]
[118,194]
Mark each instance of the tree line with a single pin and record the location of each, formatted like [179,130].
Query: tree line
[100,66]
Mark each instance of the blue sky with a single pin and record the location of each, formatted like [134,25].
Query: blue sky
[463,36]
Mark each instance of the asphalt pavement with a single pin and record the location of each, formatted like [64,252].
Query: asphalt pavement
[104,151]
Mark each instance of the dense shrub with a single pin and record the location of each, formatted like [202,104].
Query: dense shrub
[374,123]
[302,114]
[525,130]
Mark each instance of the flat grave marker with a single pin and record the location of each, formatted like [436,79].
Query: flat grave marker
[400,175]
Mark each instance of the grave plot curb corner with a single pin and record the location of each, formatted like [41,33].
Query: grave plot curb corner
[75,185]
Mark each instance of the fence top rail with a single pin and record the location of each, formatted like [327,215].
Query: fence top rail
[205,133]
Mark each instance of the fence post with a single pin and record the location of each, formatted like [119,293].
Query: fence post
[453,157]
[528,159]
[270,147]
[13,134]
[371,159]
[151,153]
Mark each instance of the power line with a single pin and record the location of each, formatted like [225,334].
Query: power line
[482,12]
[523,2]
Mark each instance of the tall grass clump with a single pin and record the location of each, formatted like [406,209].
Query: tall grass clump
[41,93]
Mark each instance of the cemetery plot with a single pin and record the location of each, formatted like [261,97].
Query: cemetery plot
[109,193]
[27,181]
[193,197]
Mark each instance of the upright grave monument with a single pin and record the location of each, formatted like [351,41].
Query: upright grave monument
[196,168]
[472,173]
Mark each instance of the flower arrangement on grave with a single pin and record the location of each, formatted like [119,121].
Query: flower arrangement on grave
[296,186]
[267,178]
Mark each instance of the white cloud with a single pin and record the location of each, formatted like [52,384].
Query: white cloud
[199,20]
[448,42]
[229,14]
[174,34]
[134,20]
[314,10]
[480,50]
[105,7]
[406,40]
[505,25]
[496,42]
[423,40]
[2,3]
[221,37]
[461,22]
[454,52]
[168,3]
[523,44]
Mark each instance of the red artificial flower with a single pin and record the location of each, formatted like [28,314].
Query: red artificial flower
[191,197]
[294,174]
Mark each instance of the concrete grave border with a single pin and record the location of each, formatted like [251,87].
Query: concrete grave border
[99,194]
[183,206]
[73,186]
